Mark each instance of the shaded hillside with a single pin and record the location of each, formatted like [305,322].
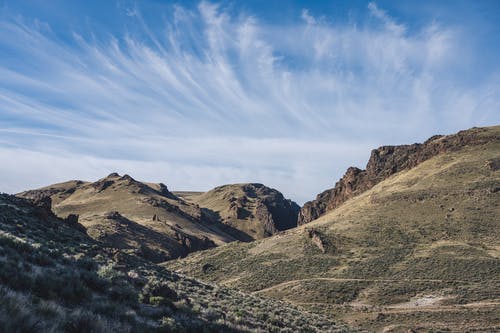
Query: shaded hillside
[140,217]
[54,278]
[419,250]
[256,210]
[384,162]
[149,220]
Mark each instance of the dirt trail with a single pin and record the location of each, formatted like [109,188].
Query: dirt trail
[429,308]
[348,280]
[424,303]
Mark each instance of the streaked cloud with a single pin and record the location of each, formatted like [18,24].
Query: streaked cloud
[212,97]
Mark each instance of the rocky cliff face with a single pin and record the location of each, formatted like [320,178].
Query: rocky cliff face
[384,162]
[255,210]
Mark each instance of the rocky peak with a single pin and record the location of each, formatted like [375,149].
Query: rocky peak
[127,178]
[163,190]
[252,208]
[111,179]
[113,175]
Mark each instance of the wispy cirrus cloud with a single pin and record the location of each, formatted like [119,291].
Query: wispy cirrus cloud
[213,97]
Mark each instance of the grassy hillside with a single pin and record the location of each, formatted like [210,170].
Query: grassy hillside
[148,219]
[420,250]
[55,278]
[138,217]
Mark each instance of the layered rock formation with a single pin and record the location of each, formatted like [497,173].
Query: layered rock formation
[384,162]
[254,209]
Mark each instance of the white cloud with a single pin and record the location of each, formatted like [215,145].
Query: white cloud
[390,24]
[309,19]
[214,98]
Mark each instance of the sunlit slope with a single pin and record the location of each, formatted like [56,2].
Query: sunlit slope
[132,215]
[423,241]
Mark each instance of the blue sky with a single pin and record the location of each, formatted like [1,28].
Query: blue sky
[199,94]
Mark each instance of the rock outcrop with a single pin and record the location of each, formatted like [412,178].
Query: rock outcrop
[317,240]
[383,163]
[253,210]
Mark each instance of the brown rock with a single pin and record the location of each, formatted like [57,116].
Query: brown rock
[317,240]
[113,215]
[263,214]
[250,210]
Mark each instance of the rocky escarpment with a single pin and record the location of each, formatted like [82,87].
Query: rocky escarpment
[384,162]
[253,209]
[275,212]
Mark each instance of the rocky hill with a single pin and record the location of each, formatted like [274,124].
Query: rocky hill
[134,216]
[55,278]
[384,162]
[412,248]
[149,220]
[256,210]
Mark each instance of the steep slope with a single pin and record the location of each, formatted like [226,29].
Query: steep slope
[384,162]
[55,278]
[256,210]
[141,217]
[419,250]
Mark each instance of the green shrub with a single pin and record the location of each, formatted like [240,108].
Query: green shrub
[108,272]
[159,300]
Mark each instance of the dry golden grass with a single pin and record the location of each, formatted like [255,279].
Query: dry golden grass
[151,219]
[427,236]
